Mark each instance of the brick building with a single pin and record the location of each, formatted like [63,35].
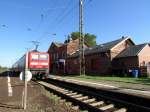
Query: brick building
[98,59]
[134,57]
[118,57]
[59,53]
[54,54]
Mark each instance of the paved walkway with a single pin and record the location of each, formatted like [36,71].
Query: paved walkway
[38,100]
[11,89]
[129,88]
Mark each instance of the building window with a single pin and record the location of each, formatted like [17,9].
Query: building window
[54,56]
[62,54]
[144,63]
[103,54]
[61,65]
[57,56]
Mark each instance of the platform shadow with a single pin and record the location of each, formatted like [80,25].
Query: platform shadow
[10,106]
[10,73]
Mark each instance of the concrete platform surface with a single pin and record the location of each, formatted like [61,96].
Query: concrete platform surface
[11,93]
[129,88]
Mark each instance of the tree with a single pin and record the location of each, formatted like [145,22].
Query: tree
[3,69]
[90,39]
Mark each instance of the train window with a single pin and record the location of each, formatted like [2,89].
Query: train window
[34,56]
[43,56]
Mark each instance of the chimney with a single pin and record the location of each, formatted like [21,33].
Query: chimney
[123,37]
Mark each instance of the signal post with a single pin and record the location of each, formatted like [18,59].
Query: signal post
[25,83]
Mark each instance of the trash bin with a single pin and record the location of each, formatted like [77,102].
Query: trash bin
[135,73]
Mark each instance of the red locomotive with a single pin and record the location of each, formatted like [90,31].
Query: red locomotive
[36,62]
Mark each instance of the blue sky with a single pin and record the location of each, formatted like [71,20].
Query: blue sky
[23,21]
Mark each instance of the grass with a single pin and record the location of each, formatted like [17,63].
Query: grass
[3,70]
[52,97]
[58,102]
[141,80]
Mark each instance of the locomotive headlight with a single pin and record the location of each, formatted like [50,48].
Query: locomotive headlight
[33,63]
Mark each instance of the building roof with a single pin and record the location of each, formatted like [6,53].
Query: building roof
[131,51]
[105,46]
[102,47]
[58,44]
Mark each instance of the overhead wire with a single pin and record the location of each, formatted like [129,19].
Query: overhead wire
[69,12]
[61,17]
[42,16]
[55,20]
[66,15]
[58,20]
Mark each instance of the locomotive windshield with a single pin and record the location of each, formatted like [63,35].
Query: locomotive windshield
[43,56]
[39,56]
[34,56]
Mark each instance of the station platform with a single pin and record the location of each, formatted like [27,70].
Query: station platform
[127,88]
[11,94]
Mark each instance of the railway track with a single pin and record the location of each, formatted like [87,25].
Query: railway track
[90,100]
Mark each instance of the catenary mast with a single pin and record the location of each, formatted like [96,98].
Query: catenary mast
[81,39]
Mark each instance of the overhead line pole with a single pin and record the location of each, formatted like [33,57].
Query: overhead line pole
[80,59]
[81,39]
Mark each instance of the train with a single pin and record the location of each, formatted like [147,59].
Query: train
[36,62]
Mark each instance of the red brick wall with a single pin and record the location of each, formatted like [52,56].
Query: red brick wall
[98,63]
[52,50]
[72,46]
[94,64]
[116,50]
[62,52]
[137,61]
[126,63]
[72,65]
[144,56]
